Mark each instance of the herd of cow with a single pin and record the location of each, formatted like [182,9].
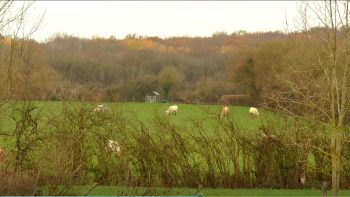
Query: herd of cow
[172,110]
[114,146]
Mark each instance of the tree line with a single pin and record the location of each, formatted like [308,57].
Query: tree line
[184,69]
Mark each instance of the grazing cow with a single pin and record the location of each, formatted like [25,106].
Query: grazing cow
[114,146]
[224,112]
[253,111]
[2,151]
[171,110]
[100,108]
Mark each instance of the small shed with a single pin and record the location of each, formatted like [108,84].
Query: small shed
[152,98]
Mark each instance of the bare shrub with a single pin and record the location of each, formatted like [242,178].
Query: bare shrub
[18,183]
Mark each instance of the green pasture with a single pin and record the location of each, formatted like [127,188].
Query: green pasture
[146,112]
[188,112]
[139,191]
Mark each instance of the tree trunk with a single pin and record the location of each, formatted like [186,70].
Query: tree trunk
[335,159]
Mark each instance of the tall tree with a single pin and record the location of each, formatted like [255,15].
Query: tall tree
[315,84]
[15,33]
[169,77]
[246,76]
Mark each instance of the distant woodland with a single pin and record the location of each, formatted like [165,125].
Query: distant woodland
[225,68]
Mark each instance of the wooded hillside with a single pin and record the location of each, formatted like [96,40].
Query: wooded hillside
[187,69]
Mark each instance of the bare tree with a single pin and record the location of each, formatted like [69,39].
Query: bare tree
[15,31]
[315,85]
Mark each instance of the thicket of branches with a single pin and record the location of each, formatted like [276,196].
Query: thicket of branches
[161,153]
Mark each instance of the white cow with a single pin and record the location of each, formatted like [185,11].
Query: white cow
[114,146]
[253,111]
[100,108]
[224,112]
[171,110]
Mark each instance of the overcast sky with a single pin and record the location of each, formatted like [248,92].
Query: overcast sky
[162,18]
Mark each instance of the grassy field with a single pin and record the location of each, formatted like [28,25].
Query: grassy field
[139,191]
[146,112]
[187,112]
[191,111]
